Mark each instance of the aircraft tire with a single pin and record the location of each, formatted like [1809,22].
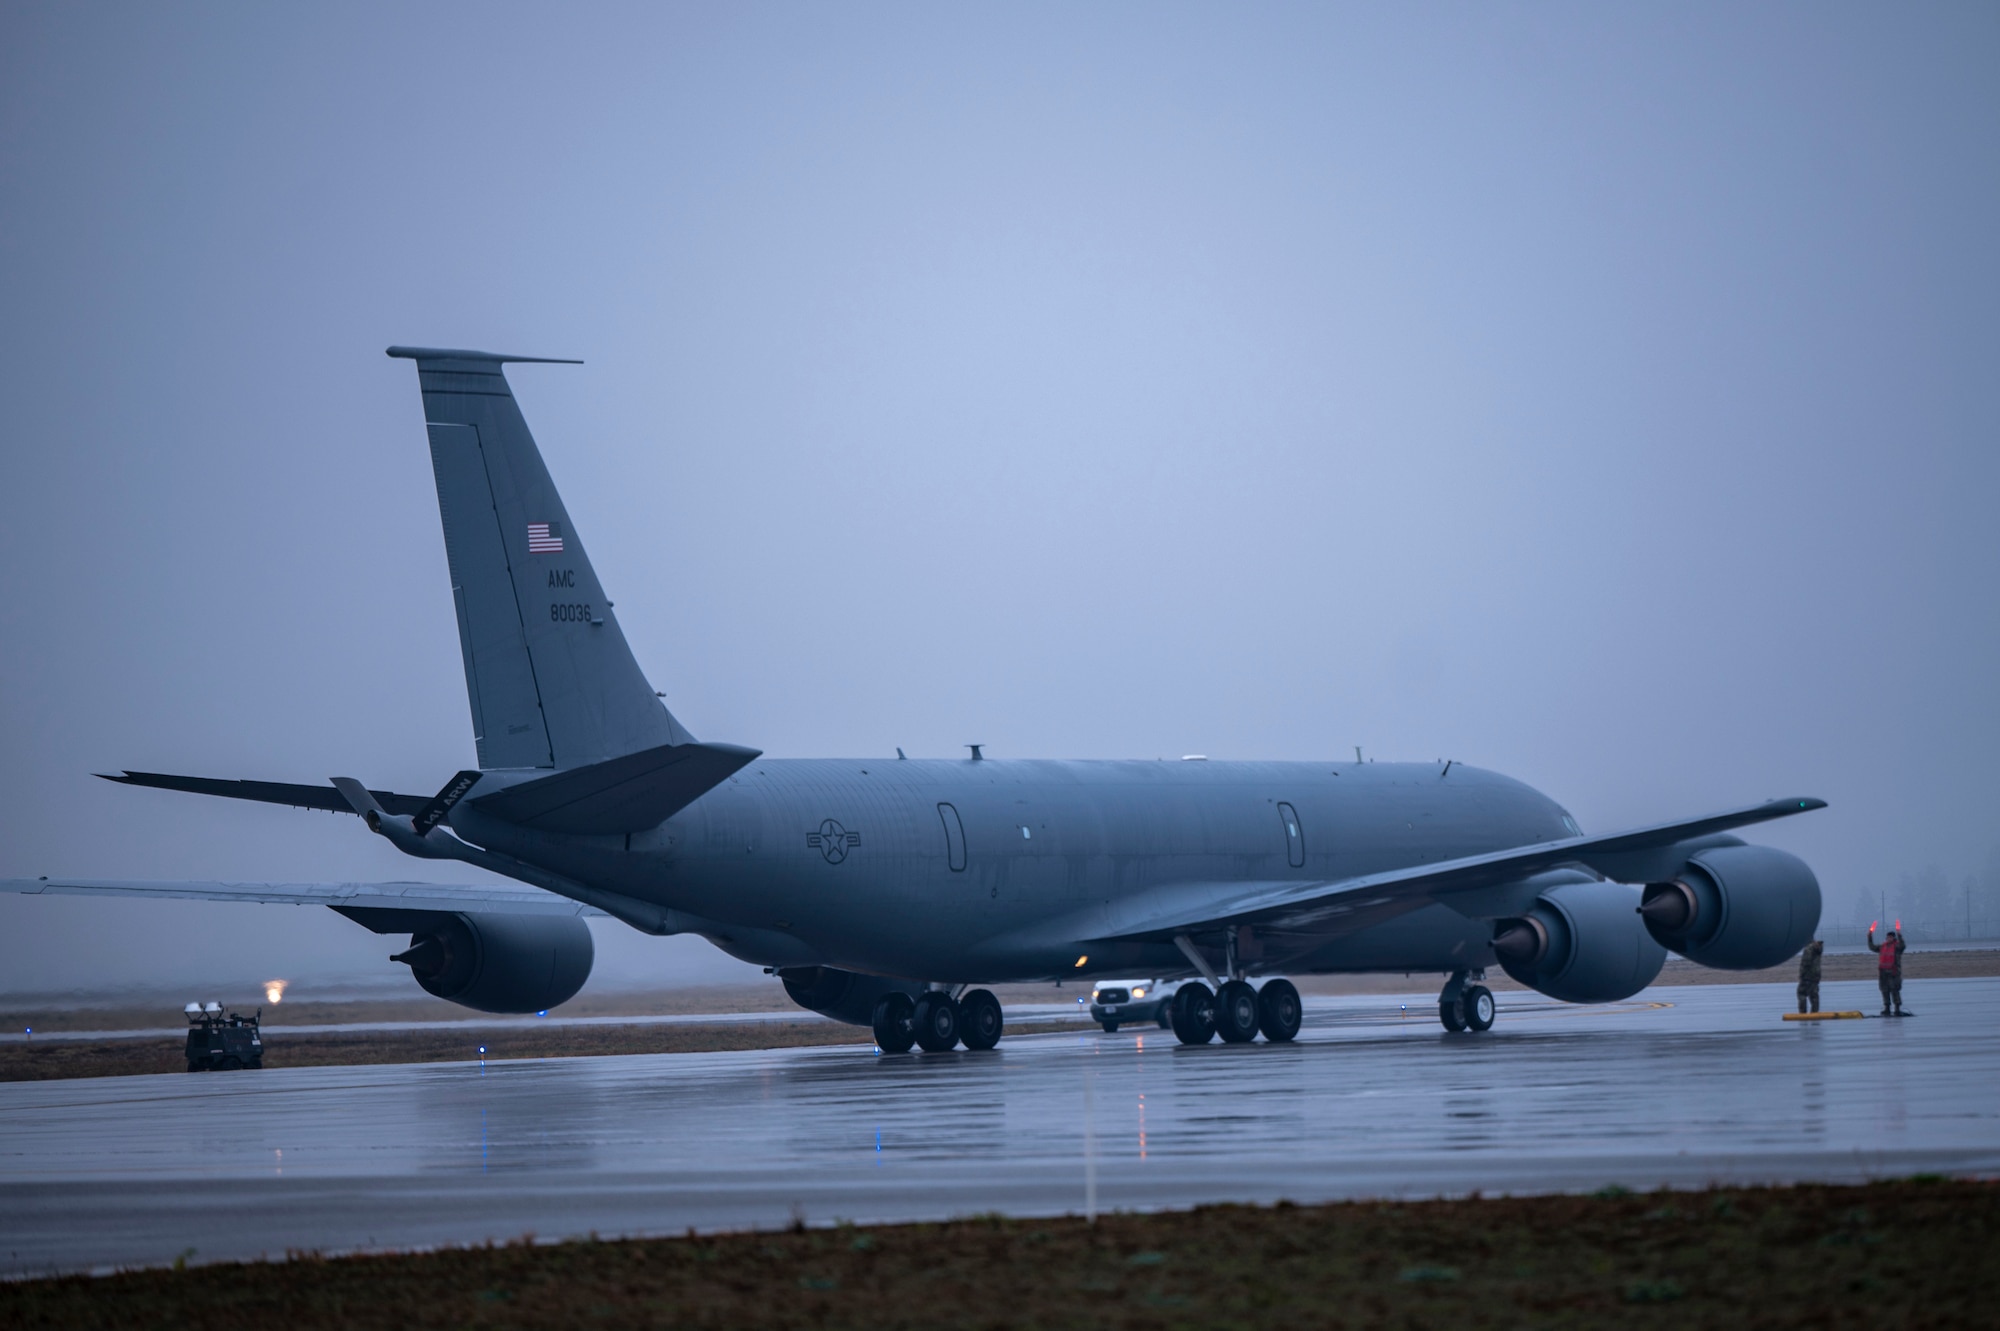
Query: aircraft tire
[895,1024]
[936,1021]
[980,1020]
[1163,1016]
[1451,1013]
[1194,1013]
[1279,1010]
[1476,1004]
[1236,1012]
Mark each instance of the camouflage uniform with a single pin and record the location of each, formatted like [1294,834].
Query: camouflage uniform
[1889,969]
[1809,976]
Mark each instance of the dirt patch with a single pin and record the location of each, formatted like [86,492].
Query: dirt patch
[299,1010]
[1908,1254]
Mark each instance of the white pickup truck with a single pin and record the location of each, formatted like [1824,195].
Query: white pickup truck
[1116,1002]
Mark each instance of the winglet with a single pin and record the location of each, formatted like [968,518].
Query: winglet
[357,796]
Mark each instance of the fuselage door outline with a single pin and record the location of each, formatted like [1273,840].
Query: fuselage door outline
[954,837]
[1295,841]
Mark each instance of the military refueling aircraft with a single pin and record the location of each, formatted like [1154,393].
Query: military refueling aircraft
[887,893]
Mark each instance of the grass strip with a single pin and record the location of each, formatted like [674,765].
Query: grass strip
[1914,1253]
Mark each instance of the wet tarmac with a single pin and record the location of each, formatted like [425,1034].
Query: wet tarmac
[1682,1086]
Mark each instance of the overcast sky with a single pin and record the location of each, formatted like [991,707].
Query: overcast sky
[1602,394]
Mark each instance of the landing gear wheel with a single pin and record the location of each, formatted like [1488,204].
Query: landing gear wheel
[1236,1013]
[1110,1027]
[1476,1006]
[936,1022]
[980,1020]
[1164,1015]
[895,1024]
[1452,1013]
[1279,1010]
[1194,1013]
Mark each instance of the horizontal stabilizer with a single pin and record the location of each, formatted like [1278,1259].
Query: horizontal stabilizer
[628,794]
[271,792]
[503,899]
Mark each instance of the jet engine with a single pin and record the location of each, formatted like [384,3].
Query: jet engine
[1735,908]
[1581,942]
[842,995]
[500,963]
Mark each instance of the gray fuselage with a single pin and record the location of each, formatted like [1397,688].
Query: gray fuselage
[857,863]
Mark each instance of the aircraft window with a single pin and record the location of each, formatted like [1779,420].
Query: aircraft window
[954,838]
[1026,834]
[1295,842]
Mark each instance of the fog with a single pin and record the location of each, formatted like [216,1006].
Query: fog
[1604,395]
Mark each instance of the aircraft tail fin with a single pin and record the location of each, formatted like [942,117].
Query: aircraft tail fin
[550,678]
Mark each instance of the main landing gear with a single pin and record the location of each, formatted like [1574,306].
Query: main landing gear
[1234,1009]
[1465,1007]
[936,1022]
[1237,1012]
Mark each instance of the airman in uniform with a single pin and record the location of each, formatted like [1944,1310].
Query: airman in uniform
[1809,976]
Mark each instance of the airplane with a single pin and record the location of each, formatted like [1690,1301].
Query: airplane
[893,893]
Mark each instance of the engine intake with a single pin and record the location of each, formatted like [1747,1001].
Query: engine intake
[842,995]
[500,963]
[1735,908]
[1582,943]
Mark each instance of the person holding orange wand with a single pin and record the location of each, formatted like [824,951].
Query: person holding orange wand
[1889,968]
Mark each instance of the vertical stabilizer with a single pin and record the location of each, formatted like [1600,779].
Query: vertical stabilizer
[551,680]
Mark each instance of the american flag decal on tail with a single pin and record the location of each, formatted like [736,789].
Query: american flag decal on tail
[544,538]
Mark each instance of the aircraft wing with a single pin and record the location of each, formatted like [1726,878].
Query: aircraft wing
[1342,905]
[507,900]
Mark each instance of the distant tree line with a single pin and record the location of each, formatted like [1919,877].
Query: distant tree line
[1931,907]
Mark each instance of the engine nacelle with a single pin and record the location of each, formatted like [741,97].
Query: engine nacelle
[842,995]
[1581,942]
[500,963]
[1735,908]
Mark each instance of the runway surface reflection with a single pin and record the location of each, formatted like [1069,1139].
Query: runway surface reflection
[1681,1086]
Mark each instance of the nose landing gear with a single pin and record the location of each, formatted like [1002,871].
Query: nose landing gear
[1465,1007]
